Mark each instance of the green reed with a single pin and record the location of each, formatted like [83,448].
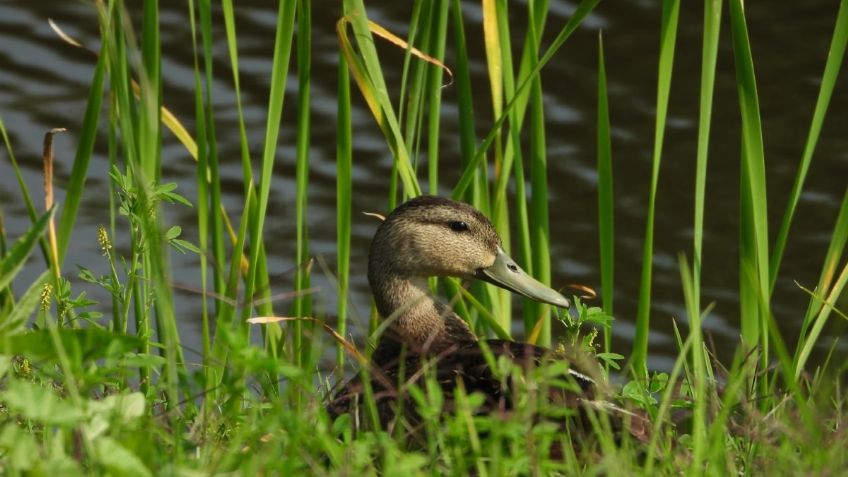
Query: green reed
[753,259]
[668,36]
[692,283]
[302,304]
[828,82]
[344,198]
[606,210]
[818,308]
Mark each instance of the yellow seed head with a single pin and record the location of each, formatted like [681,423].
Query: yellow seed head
[103,240]
[46,293]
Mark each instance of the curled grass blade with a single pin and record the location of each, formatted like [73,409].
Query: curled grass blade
[366,70]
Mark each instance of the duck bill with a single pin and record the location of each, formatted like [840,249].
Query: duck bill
[505,273]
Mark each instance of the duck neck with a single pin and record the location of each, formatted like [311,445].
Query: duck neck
[418,319]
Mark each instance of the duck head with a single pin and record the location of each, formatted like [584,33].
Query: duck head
[432,236]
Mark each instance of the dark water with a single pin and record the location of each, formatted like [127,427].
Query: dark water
[44,84]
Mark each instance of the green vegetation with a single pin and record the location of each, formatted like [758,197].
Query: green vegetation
[84,394]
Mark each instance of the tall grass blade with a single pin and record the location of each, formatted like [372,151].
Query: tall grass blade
[709,53]
[412,97]
[344,198]
[217,222]
[835,58]
[14,322]
[538,315]
[692,283]
[606,208]
[469,172]
[698,379]
[502,76]
[227,309]
[150,96]
[434,93]
[829,292]
[148,172]
[754,272]
[203,189]
[85,149]
[14,260]
[366,70]
[517,99]
[668,36]
[478,194]
[30,206]
[279,73]
[303,303]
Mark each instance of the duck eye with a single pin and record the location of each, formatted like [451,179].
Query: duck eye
[458,226]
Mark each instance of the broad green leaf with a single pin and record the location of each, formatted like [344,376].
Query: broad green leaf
[40,404]
[18,447]
[89,343]
[118,459]
[127,407]
[120,408]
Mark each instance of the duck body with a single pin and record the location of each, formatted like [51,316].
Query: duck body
[432,236]
[462,362]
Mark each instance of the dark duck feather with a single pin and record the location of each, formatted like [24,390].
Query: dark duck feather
[433,236]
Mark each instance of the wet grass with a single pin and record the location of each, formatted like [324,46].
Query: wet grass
[85,393]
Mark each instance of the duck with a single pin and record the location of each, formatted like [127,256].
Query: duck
[431,236]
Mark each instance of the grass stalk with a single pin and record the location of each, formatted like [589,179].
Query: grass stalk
[507,158]
[668,37]
[464,95]
[709,53]
[606,209]
[692,283]
[366,70]
[203,189]
[302,304]
[827,292]
[216,221]
[698,378]
[539,228]
[344,195]
[257,273]
[30,206]
[835,56]
[412,97]
[469,172]
[227,311]
[434,93]
[754,265]
[85,149]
